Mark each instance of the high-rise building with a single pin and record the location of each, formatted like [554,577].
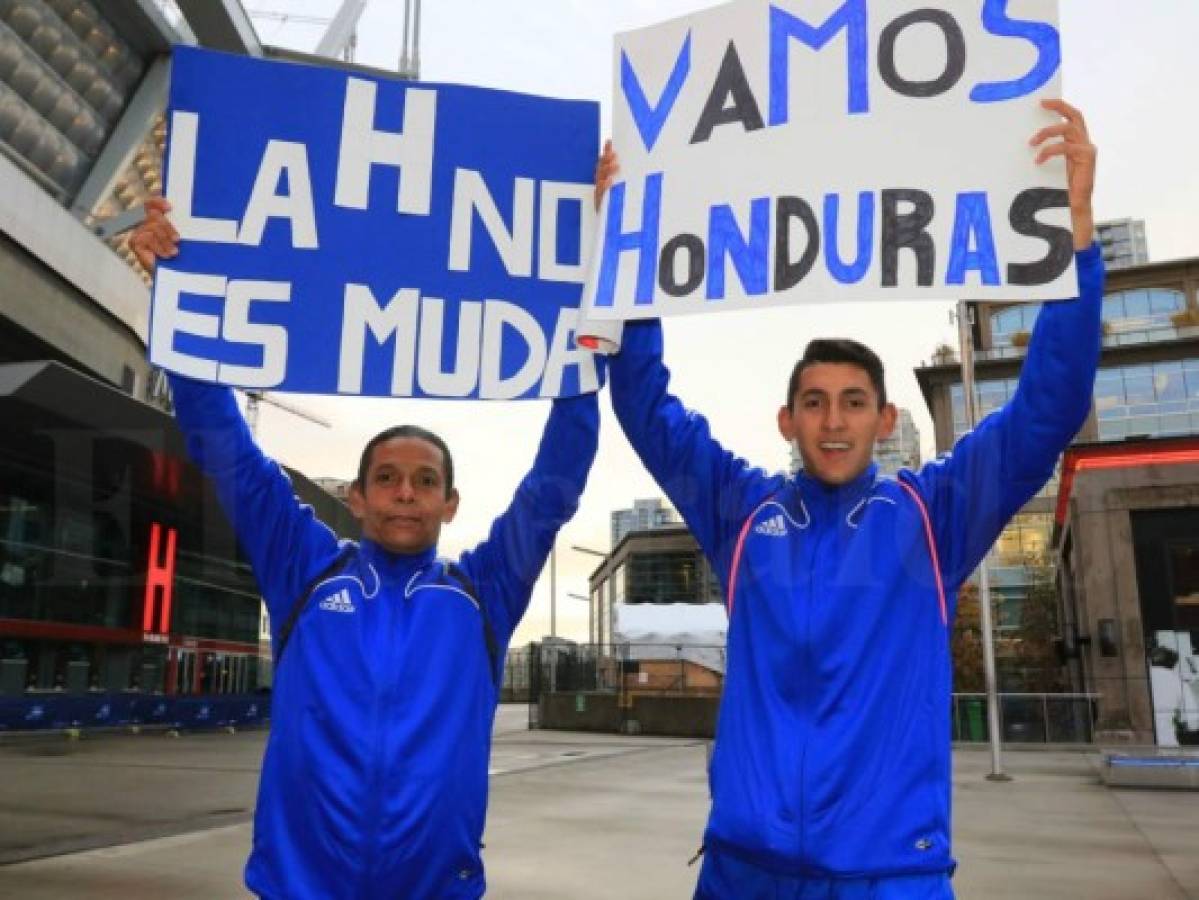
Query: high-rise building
[902,449]
[1147,391]
[645,515]
[1123,242]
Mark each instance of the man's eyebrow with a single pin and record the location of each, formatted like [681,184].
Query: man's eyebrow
[814,392]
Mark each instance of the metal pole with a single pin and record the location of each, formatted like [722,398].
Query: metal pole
[984,586]
[554,590]
[416,43]
[404,59]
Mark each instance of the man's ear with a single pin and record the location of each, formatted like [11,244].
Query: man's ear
[451,507]
[786,424]
[357,502]
[886,423]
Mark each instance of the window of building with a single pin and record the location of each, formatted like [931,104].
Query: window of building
[1155,399]
[1141,310]
[1006,323]
[1025,541]
[989,396]
[664,577]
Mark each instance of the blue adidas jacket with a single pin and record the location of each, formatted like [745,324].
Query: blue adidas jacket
[832,755]
[374,783]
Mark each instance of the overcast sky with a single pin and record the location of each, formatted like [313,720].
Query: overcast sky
[1132,67]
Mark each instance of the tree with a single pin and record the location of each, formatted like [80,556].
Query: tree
[965,643]
[1035,639]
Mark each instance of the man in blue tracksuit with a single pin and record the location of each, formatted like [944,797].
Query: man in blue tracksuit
[831,771]
[374,783]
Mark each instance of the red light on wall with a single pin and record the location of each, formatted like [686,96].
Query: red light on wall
[166,473]
[160,579]
[1107,459]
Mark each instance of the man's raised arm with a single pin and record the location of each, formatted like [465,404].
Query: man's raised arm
[284,541]
[520,539]
[997,468]
[708,485]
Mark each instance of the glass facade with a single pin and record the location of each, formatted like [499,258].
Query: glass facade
[1124,312]
[1142,310]
[1025,541]
[677,576]
[1012,321]
[1154,399]
[988,397]
[118,572]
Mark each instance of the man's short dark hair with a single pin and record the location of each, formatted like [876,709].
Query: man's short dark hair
[840,350]
[405,431]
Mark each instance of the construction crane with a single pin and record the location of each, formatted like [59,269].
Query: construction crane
[254,398]
[340,39]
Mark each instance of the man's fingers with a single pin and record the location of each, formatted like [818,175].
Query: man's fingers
[144,255]
[1068,112]
[1065,130]
[159,205]
[1078,153]
[165,247]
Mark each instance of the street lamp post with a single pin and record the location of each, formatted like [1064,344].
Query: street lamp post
[984,588]
[554,582]
[592,637]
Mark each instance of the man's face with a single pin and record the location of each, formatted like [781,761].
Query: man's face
[403,503]
[835,419]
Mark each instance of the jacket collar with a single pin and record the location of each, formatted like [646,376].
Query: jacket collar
[818,495]
[395,566]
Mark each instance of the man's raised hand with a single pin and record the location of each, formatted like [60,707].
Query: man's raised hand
[1075,145]
[605,173]
[156,238]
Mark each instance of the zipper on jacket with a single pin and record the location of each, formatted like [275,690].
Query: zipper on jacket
[374,807]
[807,691]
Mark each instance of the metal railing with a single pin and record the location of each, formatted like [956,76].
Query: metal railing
[1027,718]
[680,670]
[675,669]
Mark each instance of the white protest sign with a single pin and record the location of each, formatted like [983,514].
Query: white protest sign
[832,150]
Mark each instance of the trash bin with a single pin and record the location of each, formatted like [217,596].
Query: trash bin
[975,720]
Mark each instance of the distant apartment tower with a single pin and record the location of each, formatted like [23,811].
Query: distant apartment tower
[902,449]
[646,515]
[1123,242]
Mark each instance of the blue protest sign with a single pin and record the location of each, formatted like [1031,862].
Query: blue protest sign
[348,233]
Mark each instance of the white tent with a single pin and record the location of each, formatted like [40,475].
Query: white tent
[690,631]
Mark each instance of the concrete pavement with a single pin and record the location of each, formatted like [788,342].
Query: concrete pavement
[571,816]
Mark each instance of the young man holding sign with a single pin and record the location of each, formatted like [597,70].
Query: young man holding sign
[831,772]
[374,782]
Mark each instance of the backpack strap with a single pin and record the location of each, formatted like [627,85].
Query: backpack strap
[285,632]
[455,573]
[932,546]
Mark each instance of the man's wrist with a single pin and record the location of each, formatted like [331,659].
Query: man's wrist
[1084,230]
